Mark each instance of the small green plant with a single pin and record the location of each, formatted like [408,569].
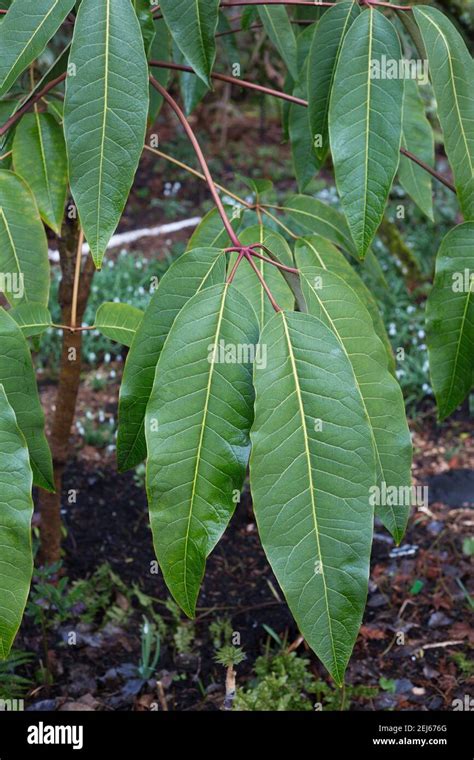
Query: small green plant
[184,631]
[98,594]
[151,650]
[12,684]
[221,632]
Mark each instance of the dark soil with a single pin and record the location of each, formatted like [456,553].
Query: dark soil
[415,591]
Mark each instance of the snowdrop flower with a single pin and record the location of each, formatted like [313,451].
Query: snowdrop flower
[107,358]
[392,329]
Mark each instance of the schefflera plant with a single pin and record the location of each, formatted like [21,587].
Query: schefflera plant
[262,348]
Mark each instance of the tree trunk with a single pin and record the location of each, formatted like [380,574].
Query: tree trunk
[68,387]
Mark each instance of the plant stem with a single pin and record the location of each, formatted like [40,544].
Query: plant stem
[298,101]
[77,277]
[30,103]
[271,261]
[262,281]
[233,80]
[235,267]
[197,148]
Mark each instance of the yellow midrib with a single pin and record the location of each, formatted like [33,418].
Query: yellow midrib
[311,485]
[104,120]
[12,243]
[461,332]
[367,131]
[200,444]
[35,33]
[448,53]
[45,167]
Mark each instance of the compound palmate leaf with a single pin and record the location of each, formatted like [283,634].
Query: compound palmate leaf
[193,24]
[16,510]
[330,298]
[105,114]
[25,32]
[248,284]
[365,123]
[452,75]
[24,260]
[197,427]
[450,319]
[18,378]
[311,469]
[192,272]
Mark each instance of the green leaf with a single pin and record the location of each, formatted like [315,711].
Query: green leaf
[118,321]
[317,217]
[192,88]
[192,272]
[311,469]
[161,51]
[312,215]
[210,232]
[323,60]
[147,25]
[246,281]
[23,245]
[193,25]
[365,123]
[279,29]
[305,162]
[18,378]
[16,510]
[418,138]
[105,115]
[39,156]
[452,75]
[450,320]
[25,32]
[332,299]
[197,427]
[329,257]
[33,318]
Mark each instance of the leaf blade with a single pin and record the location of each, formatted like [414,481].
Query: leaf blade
[24,35]
[206,406]
[452,72]
[299,515]
[193,271]
[18,378]
[16,508]
[105,115]
[450,320]
[365,124]
[39,156]
[193,24]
